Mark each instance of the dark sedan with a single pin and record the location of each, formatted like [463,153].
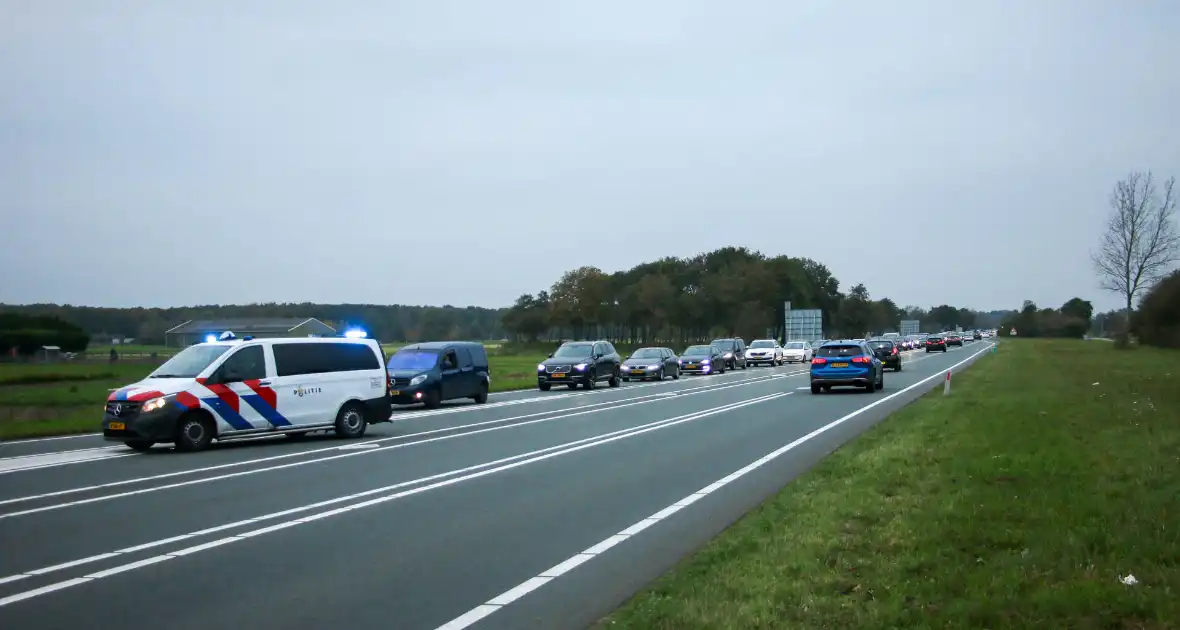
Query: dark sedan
[936,343]
[702,360]
[651,363]
[888,352]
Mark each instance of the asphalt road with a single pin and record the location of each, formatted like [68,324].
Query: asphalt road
[536,510]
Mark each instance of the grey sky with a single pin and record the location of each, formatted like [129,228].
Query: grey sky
[430,152]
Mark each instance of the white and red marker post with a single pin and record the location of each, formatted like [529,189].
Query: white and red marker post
[946,384]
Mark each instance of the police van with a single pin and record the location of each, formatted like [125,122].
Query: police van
[231,388]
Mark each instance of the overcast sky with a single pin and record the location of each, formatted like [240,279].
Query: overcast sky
[428,152]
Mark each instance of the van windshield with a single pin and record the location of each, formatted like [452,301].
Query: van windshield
[413,360]
[190,362]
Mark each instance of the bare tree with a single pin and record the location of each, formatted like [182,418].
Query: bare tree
[1141,243]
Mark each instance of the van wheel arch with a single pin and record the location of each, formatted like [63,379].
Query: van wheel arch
[351,420]
[189,439]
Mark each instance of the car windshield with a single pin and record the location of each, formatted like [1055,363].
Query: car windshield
[762,344]
[573,350]
[698,350]
[413,360]
[646,353]
[795,345]
[190,362]
[840,351]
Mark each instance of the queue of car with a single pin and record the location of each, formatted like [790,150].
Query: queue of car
[228,388]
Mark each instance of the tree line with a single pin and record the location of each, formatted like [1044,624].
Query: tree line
[26,334]
[392,323]
[731,291]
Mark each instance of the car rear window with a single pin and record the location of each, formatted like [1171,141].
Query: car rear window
[795,345]
[840,351]
[882,344]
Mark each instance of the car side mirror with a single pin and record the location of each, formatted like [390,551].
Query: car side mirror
[550,355]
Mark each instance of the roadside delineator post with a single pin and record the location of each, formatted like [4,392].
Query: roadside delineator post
[946,385]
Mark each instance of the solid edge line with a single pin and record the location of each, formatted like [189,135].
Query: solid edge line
[531,457]
[496,603]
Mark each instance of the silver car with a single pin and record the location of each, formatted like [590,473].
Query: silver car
[798,352]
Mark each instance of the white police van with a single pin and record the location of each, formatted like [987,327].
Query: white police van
[233,388]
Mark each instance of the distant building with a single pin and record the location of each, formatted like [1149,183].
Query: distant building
[196,331]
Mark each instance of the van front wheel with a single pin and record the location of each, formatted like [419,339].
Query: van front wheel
[350,421]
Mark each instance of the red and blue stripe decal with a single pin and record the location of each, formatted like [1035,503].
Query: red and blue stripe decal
[125,394]
[265,401]
[227,404]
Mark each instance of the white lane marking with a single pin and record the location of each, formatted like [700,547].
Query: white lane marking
[609,406]
[357,447]
[33,462]
[520,590]
[488,468]
[47,439]
[73,450]
[397,417]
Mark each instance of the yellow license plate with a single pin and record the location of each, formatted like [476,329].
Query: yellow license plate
[116,426]
[691,366]
[637,371]
[839,365]
[559,375]
[395,392]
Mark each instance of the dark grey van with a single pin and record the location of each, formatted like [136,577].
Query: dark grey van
[434,371]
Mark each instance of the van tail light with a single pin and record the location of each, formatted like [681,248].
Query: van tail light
[818,361]
[861,360]
[895,351]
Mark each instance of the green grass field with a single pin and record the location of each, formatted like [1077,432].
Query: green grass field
[1019,501]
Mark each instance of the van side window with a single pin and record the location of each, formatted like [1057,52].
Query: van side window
[464,358]
[479,356]
[247,364]
[450,361]
[292,359]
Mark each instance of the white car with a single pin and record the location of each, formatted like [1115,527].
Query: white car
[764,352]
[798,351]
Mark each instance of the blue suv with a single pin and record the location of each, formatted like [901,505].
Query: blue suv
[846,363]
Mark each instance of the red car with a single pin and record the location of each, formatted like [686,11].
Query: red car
[935,342]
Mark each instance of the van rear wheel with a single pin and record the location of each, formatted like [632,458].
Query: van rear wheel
[350,421]
[481,396]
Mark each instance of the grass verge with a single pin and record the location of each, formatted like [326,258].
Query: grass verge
[1017,502]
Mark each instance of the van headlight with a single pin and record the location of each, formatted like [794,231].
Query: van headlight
[417,380]
[154,404]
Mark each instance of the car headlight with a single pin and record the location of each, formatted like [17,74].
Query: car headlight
[154,404]
[728,355]
[417,380]
[580,366]
[653,367]
[705,361]
[540,367]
